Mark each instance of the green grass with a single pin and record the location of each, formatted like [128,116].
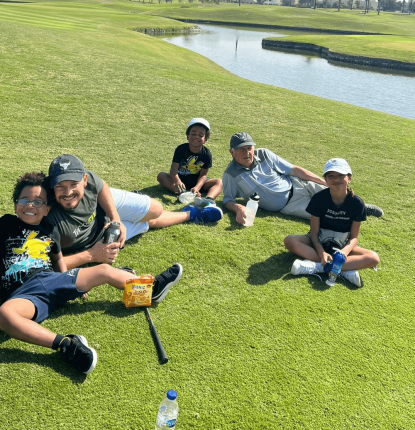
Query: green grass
[250,346]
[396,39]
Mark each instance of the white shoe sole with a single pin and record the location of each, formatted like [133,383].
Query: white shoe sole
[94,355]
[167,288]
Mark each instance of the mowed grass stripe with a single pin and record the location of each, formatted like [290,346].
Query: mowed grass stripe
[32,18]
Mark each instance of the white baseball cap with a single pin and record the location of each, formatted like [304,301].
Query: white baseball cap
[338,165]
[200,121]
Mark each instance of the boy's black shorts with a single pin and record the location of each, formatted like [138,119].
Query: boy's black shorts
[190,181]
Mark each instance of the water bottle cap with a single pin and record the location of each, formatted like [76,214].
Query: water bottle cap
[254,197]
[171,395]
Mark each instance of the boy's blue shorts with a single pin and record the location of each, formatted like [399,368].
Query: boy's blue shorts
[49,291]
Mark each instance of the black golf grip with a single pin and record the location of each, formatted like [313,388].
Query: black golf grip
[157,342]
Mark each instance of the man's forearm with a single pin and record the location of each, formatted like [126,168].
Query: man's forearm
[233,206]
[306,175]
[239,210]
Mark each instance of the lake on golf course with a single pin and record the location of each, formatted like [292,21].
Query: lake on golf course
[241,52]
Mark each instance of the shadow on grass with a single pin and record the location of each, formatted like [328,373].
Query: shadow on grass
[160,193]
[273,268]
[79,307]
[262,213]
[55,361]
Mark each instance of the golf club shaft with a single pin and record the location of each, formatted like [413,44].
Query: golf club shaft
[157,342]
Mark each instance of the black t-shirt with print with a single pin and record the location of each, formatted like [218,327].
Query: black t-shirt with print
[24,251]
[337,218]
[191,163]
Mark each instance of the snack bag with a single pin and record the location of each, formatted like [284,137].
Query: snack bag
[138,291]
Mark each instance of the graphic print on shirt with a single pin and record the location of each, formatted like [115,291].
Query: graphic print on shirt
[190,166]
[25,254]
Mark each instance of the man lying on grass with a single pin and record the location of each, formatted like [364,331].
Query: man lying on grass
[30,290]
[84,205]
[281,186]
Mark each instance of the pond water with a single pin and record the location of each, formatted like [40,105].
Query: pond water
[240,52]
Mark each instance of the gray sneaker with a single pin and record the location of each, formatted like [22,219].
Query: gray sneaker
[372,210]
[201,202]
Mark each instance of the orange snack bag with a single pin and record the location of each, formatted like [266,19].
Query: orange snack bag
[138,291]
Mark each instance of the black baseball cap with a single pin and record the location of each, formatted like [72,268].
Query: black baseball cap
[241,139]
[66,168]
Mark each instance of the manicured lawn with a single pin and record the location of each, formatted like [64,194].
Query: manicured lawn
[250,346]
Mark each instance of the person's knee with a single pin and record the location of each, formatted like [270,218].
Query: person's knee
[104,269]
[6,315]
[155,210]
[3,317]
[161,178]
[374,258]
[288,242]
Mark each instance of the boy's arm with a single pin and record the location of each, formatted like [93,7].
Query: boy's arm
[175,177]
[200,182]
[58,262]
[314,229]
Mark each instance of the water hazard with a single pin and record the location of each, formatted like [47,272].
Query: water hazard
[240,52]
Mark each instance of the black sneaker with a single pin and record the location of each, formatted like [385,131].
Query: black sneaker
[372,210]
[128,269]
[164,281]
[77,352]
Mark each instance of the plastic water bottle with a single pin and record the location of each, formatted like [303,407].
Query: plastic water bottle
[187,197]
[251,209]
[112,233]
[335,267]
[168,411]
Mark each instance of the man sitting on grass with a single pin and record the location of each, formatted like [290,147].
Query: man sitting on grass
[30,290]
[281,186]
[85,203]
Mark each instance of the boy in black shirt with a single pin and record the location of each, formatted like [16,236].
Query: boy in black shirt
[191,163]
[30,290]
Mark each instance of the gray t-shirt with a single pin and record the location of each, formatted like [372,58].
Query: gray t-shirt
[268,178]
[82,227]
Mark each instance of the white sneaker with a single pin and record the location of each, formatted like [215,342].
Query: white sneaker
[352,276]
[303,267]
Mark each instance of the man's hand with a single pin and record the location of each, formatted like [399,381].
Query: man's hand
[239,210]
[123,235]
[104,252]
[240,214]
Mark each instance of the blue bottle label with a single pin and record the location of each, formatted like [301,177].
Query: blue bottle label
[171,423]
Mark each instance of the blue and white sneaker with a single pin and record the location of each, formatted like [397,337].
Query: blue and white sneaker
[204,215]
[193,211]
[209,214]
